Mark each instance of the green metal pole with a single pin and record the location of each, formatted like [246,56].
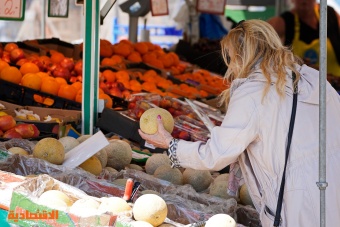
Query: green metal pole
[90,66]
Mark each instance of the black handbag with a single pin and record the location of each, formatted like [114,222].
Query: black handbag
[277,219]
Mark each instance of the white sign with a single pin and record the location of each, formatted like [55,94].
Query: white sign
[12,9]
[85,150]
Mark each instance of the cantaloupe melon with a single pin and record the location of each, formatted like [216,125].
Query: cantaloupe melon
[156,160]
[18,150]
[69,143]
[173,175]
[111,170]
[140,224]
[102,156]
[245,198]
[120,182]
[114,205]
[166,225]
[50,149]
[148,120]
[55,199]
[222,177]
[219,189]
[82,138]
[119,154]
[221,220]
[198,179]
[92,165]
[85,207]
[144,192]
[150,208]
[135,167]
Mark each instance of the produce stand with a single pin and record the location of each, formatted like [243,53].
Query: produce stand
[185,205]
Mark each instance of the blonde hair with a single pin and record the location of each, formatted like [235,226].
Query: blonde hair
[255,42]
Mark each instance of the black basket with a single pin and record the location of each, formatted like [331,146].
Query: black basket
[24,96]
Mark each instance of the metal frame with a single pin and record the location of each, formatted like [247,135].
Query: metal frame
[322,184]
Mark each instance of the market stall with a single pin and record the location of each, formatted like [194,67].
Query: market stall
[107,87]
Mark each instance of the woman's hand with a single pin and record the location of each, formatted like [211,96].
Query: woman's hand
[161,138]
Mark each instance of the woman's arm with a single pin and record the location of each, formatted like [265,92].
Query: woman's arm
[227,142]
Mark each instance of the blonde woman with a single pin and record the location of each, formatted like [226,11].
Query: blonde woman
[255,129]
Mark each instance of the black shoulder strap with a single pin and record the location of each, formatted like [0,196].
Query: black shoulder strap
[277,219]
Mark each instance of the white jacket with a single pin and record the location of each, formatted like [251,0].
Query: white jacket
[260,128]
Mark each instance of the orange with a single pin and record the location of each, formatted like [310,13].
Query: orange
[118,59]
[29,67]
[31,80]
[122,76]
[149,86]
[135,85]
[67,91]
[100,91]
[167,60]
[108,62]
[79,96]
[126,94]
[150,45]
[105,49]
[57,57]
[10,46]
[44,59]
[42,74]
[107,99]
[156,63]
[60,80]
[3,65]
[48,101]
[149,56]
[38,98]
[174,57]
[134,57]
[77,85]
[109,75]
[141,47]
[21,62]
[44,78]
[50,86]
[122,49]
[11,74]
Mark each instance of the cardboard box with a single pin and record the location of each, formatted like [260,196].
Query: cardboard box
[119,123]
[65,116]
[45,45]
[26,211]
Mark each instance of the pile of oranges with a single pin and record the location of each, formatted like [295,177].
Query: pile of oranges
[147,52]
[37,72]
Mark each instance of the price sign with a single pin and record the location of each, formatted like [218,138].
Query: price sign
[159,7]
[58,8]
[12,9]
[211,6]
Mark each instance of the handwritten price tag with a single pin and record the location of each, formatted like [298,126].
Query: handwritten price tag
[211,6]
[159,7]
[12,9]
